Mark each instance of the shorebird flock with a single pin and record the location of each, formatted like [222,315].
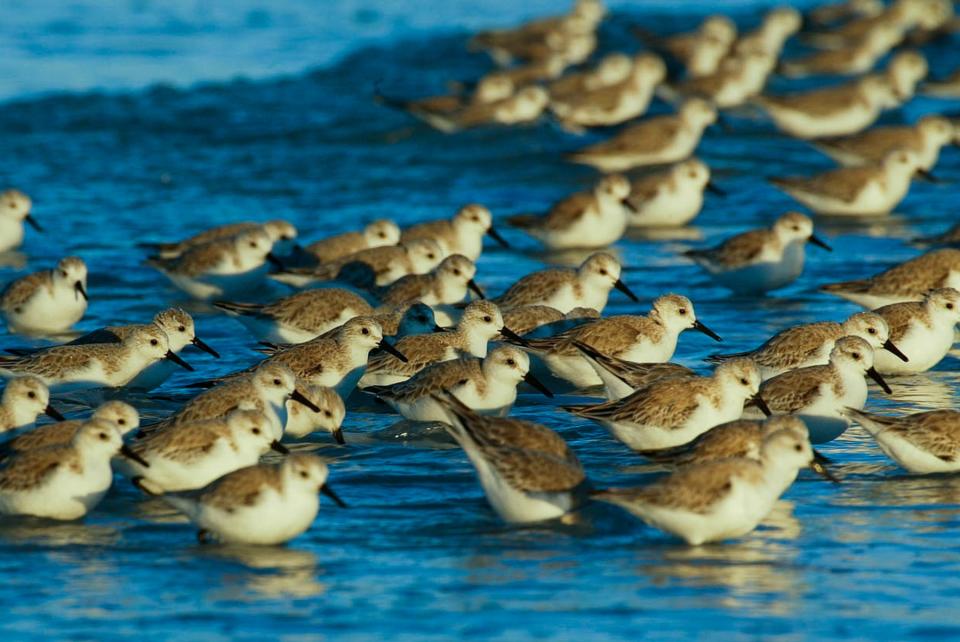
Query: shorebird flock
[395,317]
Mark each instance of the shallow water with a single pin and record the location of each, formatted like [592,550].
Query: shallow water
[419,555]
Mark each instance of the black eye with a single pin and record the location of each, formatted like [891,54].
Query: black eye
[365,331]
[431,256]
[743,381]
[856,355]
[872,330]
[682,311]
[798,448]
[122,422]
[511,362]
[949,306]
[603,272]
[796,228]
[256,431]
[457,272]
[103,436]
[154,342]
[487,319]
[63,273]
[277,382]
[253,244]
[181,328]
[32,394]
[304,474]
[327,414]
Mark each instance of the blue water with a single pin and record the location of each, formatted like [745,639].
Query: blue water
[419,555]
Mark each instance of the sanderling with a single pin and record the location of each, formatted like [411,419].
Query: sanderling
[819,394]
[872,190]
[463,234]
[924,139]
[762,259]
[47,302]
[830,111]
[94,365]
[176,323]
[672,197]
[565,289]
[699,51]
[671,412]
[810,344]
[447,283]
[774,30]
[525,105]
[337,359]
[843,11]
[222,268]
[184,456]
[621,377]
[907,281]
[905,70]
[527,471]
[487,385]
[906,14]
[923,330]
[265,388]
[386,263]
[405,319]
[279,231]
[377,234]
[611,69]
[614,103]
[298,317]
[301,420]
[591,219]
[122,415]
[855,58]
[481,322]
[264,504]
[62,482]
[539,321]
[14,211]
[718,500]
[24,399]
[924,442]
[739,78]
[655,141]
[641,339]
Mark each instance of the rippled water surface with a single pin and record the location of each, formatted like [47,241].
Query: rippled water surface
[419,555]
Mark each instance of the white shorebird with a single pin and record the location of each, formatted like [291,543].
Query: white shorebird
[263,504]
[810,344]
[592,219]
[670,198]
[819,394]
[923,330]
[24,399]
[280,232]
[722,499]
[621,378]
[299,317]
[62,482]
[565,289]
[924,442]
[184,456]
[871,190]
[641,339]
[123,416]
[95,365]
[224,268]
[446,284]
[14,211]
[47,302]
[925,139]
[526,470]
[487,385]
[762,259]
[907,281]
[461,235]
[671,412]
[379,233]
[301,420]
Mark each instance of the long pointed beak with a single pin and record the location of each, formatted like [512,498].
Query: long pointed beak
[495,235]
[713,189]
[472,285]
[762,405]
[873,374]
[620,285]
[82,291]
[173,356]
[52,412]
[128,452]
[273,260]
[338,436]
[630,206]
[818,465]
[32,222]
[278,447]
[440,328]
[819,242]
[536,383]
[387,347]
[889,347]
[513,336]
[326,490]
[707,331]
[203,346]
[299,397]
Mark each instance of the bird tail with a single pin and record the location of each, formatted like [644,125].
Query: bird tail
[247,309]
[522,221]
